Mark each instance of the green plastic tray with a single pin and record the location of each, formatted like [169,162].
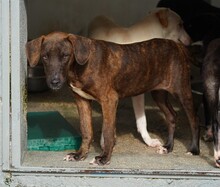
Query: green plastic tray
[50,131]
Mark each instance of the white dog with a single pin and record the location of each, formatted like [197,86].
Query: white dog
[160,23]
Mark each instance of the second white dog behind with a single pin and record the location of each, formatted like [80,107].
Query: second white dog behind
[159,23]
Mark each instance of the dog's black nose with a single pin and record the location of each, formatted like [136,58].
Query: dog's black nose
[55,84]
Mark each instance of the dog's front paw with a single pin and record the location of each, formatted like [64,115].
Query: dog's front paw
[153,143]
[74,157]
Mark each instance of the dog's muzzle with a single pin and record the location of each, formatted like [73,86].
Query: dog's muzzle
[55,84]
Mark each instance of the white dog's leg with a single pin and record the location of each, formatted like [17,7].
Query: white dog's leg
[138,105]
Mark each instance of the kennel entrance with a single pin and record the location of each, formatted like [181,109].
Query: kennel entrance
[131,157]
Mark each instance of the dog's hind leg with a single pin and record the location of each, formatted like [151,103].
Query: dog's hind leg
[161,98]
[208,136]
[211,95]
[184,95]
[141,121]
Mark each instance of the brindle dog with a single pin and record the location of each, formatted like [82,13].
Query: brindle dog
[105,72]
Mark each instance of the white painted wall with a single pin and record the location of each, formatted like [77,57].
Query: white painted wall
[0,56]
[0,89]
[74,15]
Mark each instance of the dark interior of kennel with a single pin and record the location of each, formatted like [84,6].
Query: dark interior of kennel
[130,151]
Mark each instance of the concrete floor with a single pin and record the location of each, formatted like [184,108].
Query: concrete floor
[130,151]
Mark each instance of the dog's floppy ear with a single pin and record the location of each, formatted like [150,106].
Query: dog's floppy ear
[162,15]
[82,47]
[33,50]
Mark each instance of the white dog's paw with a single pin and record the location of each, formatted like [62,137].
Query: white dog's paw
[153,143]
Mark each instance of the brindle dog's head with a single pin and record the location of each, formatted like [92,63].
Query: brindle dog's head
[57,51]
